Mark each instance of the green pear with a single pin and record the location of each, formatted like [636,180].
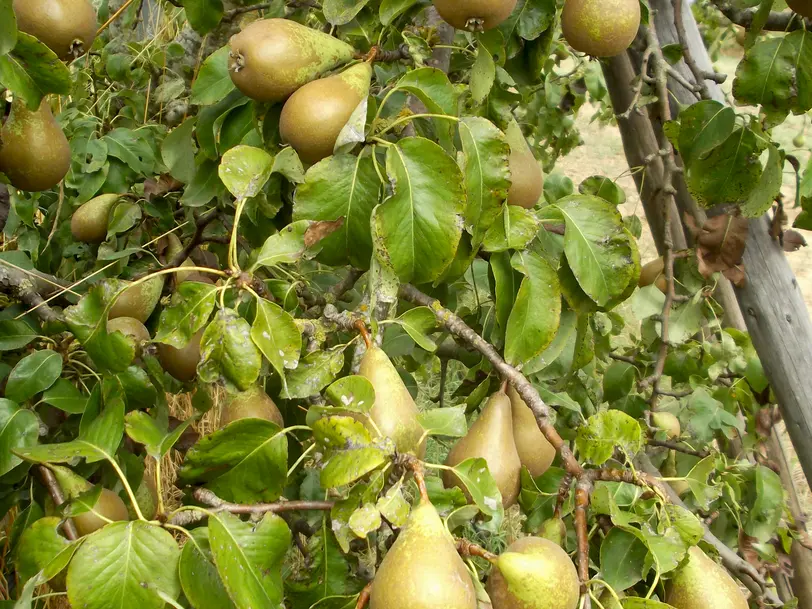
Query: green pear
[491,438]
[272,58]
[701,583]
[422,570]
[174,248]
[181,363]
[608,600]
[129,326]
[668,423]
[67,27]
[89,223]
[526,177]
[555,530]
[601,28]
[138,301]
[314,116]
[34,152]
[535,452]
[109,505]
[253,403]
[394,413]
[534,573]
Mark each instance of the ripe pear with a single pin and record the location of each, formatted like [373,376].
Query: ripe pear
[314,116]
[653,273]
[272,58]
[129,326]
[181,363]
[89,223]
[535,452]
[701,583]
[474,14]
[67,27]
[491,438]
[601,28]
[139,301]
[108,505]
[422,570]
[394,412]
[526,177]
[253,403]
[802,7]
[668,423]
[534,573]
[34,152]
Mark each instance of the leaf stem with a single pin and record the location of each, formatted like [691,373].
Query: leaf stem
[411,117]
[233,263]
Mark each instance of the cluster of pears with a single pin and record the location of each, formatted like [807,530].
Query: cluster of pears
[274,60]
[601,28]
[507,436]
[67,27]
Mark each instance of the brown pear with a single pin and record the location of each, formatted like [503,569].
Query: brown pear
[314,116]
[34,152]
[653,273]
[251,404]
[701,583]
[109,505]
[138,301]
[802,7]
[534,573]
[129,326]
[491,438]
[535,452]
[423,570]
[271,58]
[526,177]
[67,27]
[89,223]
[601,28]
[181,363]
[474,15]
[394,414]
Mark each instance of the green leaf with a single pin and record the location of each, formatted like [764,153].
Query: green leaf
[178,152]
[285,247]
[596,246]
[245,170]
[483,74]
[205,186]
[603,187]
[622,559]
[536,315]
[245,462]
[15,333]
[704,492]
[478,481]
[33,374]
[606,431]
[131,147]
[433,88]
[226,349]
[514,229]
[449,421]
[65,396]
[275,333]
[529,19]
[765,515]
[204,15]
[351,452]
[189,310]
[125,564]
[199,578]
[19,428]
[354,393]
[618,381]
[43,549]
[365,520]
[393,506]
[702,127]
[31,70]
[419,323]
[341,186]
[341,12]
[487,173]
[249,558]
[391,9]
[104,427]
[153,434]
[316,370]
[8,27]
[213,82]
[768,188]
[686,321]
[420,225]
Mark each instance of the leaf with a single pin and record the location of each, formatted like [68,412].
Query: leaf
[275,333]
[31,70]
[43,549]
[596,246]
[245,462]
[341,12]
[483,74]
[244,170]
[65,396]
[530,18]
[33,374]
[419,323]
[391,9]
[19,428]
[603,187]
[249,558]
[449,421]
[131,147]
[204,15]
[189,310]
[15,333]
[433,88]
[213,82]
[514,229]
[288,164]
[622,559]
[341,186]
[534,320]
[286,246]
[226,349]
[420,225]
[393,506]
[706,417]
[702,127]
[316,370]
[768,188]
[205,186]
[8,27]
[478,481]
[485,165]
[606,431]
[104,427]
[199,578]
[178,153]
[351,453]
[768,507]
[365,520]
[354,393]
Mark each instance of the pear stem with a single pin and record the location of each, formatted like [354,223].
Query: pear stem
[363,596]
[468,549]
[416,465]
[362,330]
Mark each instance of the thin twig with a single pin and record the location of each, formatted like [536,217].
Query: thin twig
[776,22]
[52,484]
[467,549]
[201,222]
[206,497]
[678,446]
[114,16]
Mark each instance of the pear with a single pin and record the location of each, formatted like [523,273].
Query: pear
[668,423]
[535,452]
[802,7]
[701,583]
[251,404]
[534,573]
[109,505]
[555,530]
[174,248]
[147,497]
[67,27]
[526,177]
[653,272]
[89,223]
[394,412]
[491,438]
[608,600]
[34,152]
[422,570]
[181,363]
[601,28]
[474,14]
[129,326]
[272,58]
[139,301]
[314,116]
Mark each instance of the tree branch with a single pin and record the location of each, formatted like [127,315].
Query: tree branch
[776,22]
[52,484]
[678,446]
[24,287]
[201,222]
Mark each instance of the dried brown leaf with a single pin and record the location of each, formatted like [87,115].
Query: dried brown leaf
[320,230]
